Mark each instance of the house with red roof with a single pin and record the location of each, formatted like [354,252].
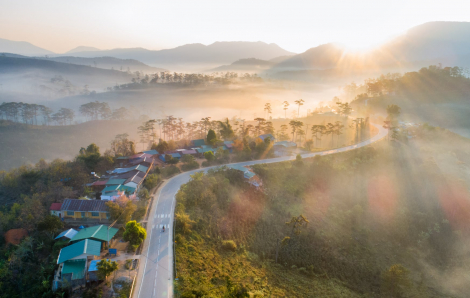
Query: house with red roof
[55,209]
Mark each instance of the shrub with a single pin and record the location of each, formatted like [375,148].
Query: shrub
[190,166]
[151,181]
[229,245]
[170,171]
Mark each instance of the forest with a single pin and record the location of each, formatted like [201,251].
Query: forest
[388,220]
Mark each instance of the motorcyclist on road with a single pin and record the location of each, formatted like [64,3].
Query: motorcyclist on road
[163,230]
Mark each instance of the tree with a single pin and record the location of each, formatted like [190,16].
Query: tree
[51,224]
[268,109]
[226,130]
[295,125]
[151,181]
[261,121]
[134,233]
[211,137]
[143,194]
[162,146]
[286,106]
[106,268]
[299,102]
[209,156]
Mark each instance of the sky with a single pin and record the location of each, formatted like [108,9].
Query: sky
[296,26]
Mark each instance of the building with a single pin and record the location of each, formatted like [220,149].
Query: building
[151,152]
[198,143]
[172,154]
[99,185]
[229,146]
[55,209]
[265,136]
[81,209]
[100,233]
[284,148]
[67,234]
[72,262]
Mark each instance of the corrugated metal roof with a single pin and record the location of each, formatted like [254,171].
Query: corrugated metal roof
[76,267]
[67,233]
[84,205]
[110,188]
[96,233]
[151,152]
[268,135]
[190,151]
[136,179]
[87,246]
[115,181]
[55,206]
[124,188]
[198,142]
[100,182]
[141,168]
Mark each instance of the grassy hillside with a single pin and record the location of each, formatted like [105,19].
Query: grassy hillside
[385,221]
[23,144]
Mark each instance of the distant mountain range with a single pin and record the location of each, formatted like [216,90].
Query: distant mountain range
[98,62]
[22,48]
[82,49]
[430,43]
[434,42]
[195,54]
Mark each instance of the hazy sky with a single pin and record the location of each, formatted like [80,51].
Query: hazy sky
[59,25]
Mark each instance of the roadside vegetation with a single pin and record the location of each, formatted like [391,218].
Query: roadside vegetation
[389,220]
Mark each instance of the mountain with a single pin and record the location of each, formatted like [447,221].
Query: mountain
[22,48]
[247,65]
[51,78]
[195,54]
[434,42]
[108,63]
[83,49]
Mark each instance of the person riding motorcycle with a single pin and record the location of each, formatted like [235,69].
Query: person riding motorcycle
[163,230]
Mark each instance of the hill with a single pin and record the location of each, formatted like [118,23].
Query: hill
[195,54]
[250,65]
[22,74]
[82,49]
[108,63]
[22,48]
[25,144]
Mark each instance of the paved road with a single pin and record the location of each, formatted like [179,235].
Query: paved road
[154,278]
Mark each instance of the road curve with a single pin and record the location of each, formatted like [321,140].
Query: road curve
[155,273]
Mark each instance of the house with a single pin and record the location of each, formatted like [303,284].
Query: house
[151,152]
[89,209]
[198,143]
[83,249]
[115,182]
[265,136]
[145,161]
[284,148]
[140,168]
[72,262]
[111,192]
[93,270]
[249,175]
[99,185]
[173,154]
[192,152]
[67,234]
[100,233]
[121,160]
[134,181]
[55,209]
[229,146]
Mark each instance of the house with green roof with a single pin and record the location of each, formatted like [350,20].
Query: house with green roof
[96,233]
[72,262]
[115,182]
[83,249]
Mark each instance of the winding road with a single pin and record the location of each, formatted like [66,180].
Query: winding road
[155,273]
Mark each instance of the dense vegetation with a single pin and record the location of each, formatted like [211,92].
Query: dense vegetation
[384,221]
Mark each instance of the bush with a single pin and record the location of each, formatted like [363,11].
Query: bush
[143,195]
[170,171]
[190,166]
[151,181]
[229,245]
